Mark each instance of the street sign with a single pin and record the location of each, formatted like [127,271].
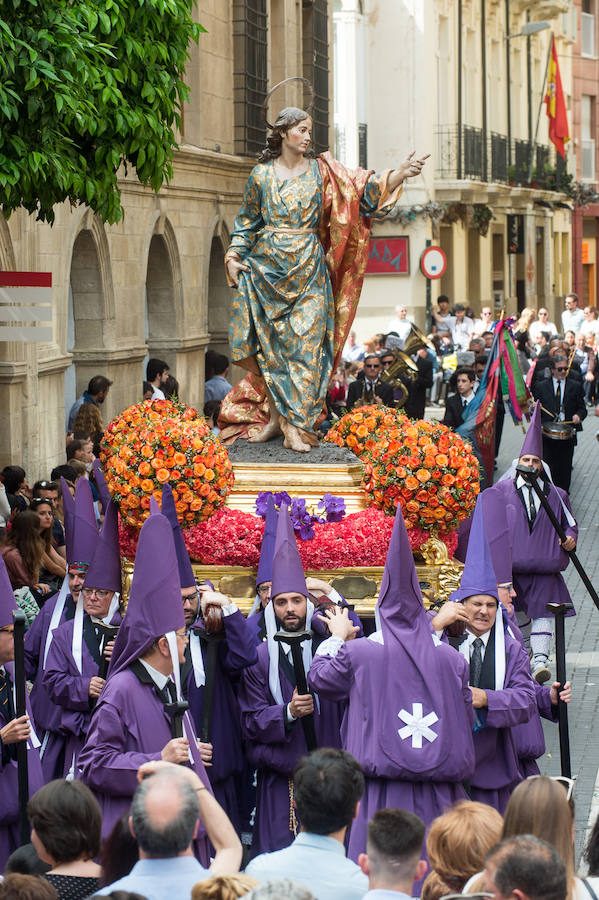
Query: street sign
[25,306]
[433,262]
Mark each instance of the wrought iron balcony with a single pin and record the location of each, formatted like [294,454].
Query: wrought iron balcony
[467,156]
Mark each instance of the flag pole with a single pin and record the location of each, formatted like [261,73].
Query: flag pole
[542,100]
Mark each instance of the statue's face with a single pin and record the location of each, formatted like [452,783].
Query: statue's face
[298,137]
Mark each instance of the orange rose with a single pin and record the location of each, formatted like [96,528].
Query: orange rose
[464,473]
[422,496]
[412,483]
[209,475]
[133,501]
[423,475]
[204,490]
[162,475]
[196,504]
[448,479]
[147,486]
[180,459]
[441,459]
[361,431]
[144,468]
[145,502]
[147,451]
[181,507]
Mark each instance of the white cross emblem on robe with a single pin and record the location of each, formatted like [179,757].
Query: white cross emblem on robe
[417,725]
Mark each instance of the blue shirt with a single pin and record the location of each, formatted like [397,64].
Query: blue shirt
[160,878]
[216,388]
[318,862]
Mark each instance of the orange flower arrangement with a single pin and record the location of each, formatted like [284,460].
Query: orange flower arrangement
[363,425]
[425,469]
[159,441]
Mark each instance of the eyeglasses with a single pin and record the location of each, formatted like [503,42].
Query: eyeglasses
[561,368]
[371,365]
[190,597]
[182,635]
[566,783]
[264,589]
[100,594]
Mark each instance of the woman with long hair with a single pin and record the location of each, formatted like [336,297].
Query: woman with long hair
[53,566]
[522,337]
[23,553]
[89,422]
[457,845]
[297,257]
[542,806]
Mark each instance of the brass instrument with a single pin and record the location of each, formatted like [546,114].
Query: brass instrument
[403,364]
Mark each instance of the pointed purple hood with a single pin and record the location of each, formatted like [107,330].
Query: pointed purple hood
[267,550]
[81,530]
[420,682]
[7,598]
[101,485]
[168,509]
[155,606]
[533,442]
[498,534]
[478,576]
[287,570]
[400,599]
[105,568]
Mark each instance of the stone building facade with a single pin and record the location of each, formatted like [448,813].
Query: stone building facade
[154,284]
[470,96]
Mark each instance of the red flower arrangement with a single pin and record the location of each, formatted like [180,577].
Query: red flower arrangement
[234,538]
[425,469]
[358,428]
[161,441]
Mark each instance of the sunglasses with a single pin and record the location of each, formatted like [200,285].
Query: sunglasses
[561,368]
[566,783]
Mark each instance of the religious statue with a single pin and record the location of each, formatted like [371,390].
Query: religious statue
[297,258]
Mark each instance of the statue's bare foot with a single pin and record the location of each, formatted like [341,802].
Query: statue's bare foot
[271,430]
[293,440]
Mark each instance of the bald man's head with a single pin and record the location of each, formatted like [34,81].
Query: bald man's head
[164,815]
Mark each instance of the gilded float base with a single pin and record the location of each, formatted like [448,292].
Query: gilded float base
[299,480]
[437,574]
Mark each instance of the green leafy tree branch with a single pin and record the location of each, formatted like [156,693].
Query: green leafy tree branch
[86,86]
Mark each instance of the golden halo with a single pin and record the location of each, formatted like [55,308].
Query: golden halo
[306,84]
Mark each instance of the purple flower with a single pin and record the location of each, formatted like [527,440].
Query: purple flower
[261,503]
[333,508]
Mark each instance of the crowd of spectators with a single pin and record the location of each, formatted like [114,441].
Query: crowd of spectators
[527,855]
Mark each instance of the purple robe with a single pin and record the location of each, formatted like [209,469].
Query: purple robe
[9,790]
[235,653]
[537,557]
[274,749]
[69,689]
[529,737]
[395,777]
[497,770]
[130,727]
[46,714]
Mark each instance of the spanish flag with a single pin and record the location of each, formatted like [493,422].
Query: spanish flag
[556,105]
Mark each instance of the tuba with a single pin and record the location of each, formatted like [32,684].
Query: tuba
[403,366]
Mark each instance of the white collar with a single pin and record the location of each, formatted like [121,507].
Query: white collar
[466,397]
[159,679]
[484,637]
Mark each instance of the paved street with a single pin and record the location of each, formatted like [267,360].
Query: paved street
[582,631]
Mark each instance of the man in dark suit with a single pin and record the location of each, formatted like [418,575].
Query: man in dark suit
[361,391]
[416,401]
[562,400]
[457,403]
